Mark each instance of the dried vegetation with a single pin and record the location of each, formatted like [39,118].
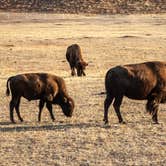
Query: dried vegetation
[38,42]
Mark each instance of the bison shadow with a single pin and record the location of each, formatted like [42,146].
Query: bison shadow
[48,127]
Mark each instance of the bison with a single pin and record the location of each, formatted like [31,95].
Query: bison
[47,88]
[143,81]
[74,57]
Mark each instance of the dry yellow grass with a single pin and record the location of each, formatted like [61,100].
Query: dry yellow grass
[37,43]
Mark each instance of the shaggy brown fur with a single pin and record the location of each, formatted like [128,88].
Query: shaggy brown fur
[144,81]
[49,89]
[74,57]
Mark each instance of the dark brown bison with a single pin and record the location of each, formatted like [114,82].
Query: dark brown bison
[74,57]
[49,89]
[144,81]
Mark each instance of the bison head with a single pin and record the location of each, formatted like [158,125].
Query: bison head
[68,106]
[81,65]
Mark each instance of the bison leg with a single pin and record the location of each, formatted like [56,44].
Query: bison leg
[11,111]
[154,116]
[49,107]
[41,105]
[152,107]
[83,73]
[73,73]
[116,105]
[18,111]
[79,72]
[107,103]
[13,104]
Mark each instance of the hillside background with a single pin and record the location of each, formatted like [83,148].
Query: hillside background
[85,6]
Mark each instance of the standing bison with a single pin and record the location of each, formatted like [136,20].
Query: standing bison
[144,81]
[74,57]
[47,88]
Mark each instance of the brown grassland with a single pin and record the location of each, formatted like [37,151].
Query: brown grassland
[36,42]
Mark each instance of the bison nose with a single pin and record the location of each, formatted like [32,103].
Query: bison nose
[70,114]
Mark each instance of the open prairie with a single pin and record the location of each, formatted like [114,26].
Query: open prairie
[33,42]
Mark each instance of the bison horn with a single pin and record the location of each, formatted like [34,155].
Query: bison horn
[65,100]
[71,101]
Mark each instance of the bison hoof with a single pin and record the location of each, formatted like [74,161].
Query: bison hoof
[13,122]
[105,121]
[122,122]
[21,120]
[73,74]
[155,122]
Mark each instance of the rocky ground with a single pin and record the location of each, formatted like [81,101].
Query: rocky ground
[85,6]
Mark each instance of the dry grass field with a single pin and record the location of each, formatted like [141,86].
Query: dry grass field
[37,43]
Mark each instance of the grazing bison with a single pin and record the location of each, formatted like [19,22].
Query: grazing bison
[74,57]
[47,88]
[144,81]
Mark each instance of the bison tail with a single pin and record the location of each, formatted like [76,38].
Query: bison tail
[102,93]
[7,88]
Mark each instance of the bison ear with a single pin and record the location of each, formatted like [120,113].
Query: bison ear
[84,63]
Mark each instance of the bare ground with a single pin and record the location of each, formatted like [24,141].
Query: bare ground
[37,43]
